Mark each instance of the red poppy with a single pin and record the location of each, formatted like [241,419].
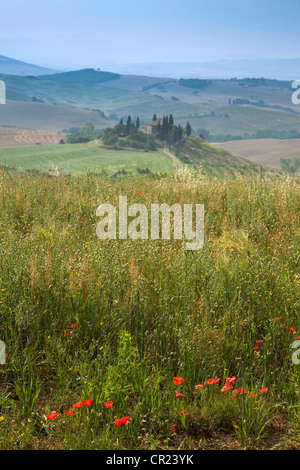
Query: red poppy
[73,326]
[230,379]
[87,402]
[263,390]
[225,388]
[120,421]
[292,330]
[69,333]
[239,391]
[177,380]
[77,405]
[197,303]
[259,341]
[212,381]
[276,319]
[178,395]
[198,386]
[251,395]
[69,413]
[285,326]
[51,416]
[108,404]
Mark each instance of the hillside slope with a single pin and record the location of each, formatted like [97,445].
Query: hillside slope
[195,152]
[17,67]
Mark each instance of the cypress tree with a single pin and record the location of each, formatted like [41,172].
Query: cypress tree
[128,125]
[188,129]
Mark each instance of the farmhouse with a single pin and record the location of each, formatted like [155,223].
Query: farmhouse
[151,126]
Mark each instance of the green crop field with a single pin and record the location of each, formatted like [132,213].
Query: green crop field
[78,159]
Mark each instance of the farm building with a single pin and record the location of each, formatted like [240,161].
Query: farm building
[151,126]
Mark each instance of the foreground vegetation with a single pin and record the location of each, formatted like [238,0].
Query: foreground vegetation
[193,349]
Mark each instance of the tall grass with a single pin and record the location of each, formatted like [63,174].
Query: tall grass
[115,320]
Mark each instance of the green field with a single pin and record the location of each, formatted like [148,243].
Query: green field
[78,159]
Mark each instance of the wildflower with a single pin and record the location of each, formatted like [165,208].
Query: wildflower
[120,421]
[263,390]
[285,326]
[225,388]
[51,416]
[292,330]
[177,380]
[178,395]
[259,341]
[185,413]
[77,405]
[276,319]
[73,326]
[212,381]
[69,413]
[239,391]
[230,379]
[87,402]
[198,386]
[172,427]
[197,302]
[108,404]
[1,418]
[256,347]
[68,333]
[252,395]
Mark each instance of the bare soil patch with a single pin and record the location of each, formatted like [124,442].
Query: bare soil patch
[14,137]
[264,151]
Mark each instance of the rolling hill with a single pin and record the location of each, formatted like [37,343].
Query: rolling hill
[214,161]
[233,107]
[17,67]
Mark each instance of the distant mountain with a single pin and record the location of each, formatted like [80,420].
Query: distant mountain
[281,69]
[11,66]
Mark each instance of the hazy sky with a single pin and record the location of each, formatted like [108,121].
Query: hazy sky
[81,33]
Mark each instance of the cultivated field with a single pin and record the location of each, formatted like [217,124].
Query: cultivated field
[141,344]
[264,151]
[15,137]
[78,159]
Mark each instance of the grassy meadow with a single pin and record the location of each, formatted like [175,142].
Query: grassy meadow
[193,348]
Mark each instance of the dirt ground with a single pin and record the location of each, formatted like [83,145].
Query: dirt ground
[264,151]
